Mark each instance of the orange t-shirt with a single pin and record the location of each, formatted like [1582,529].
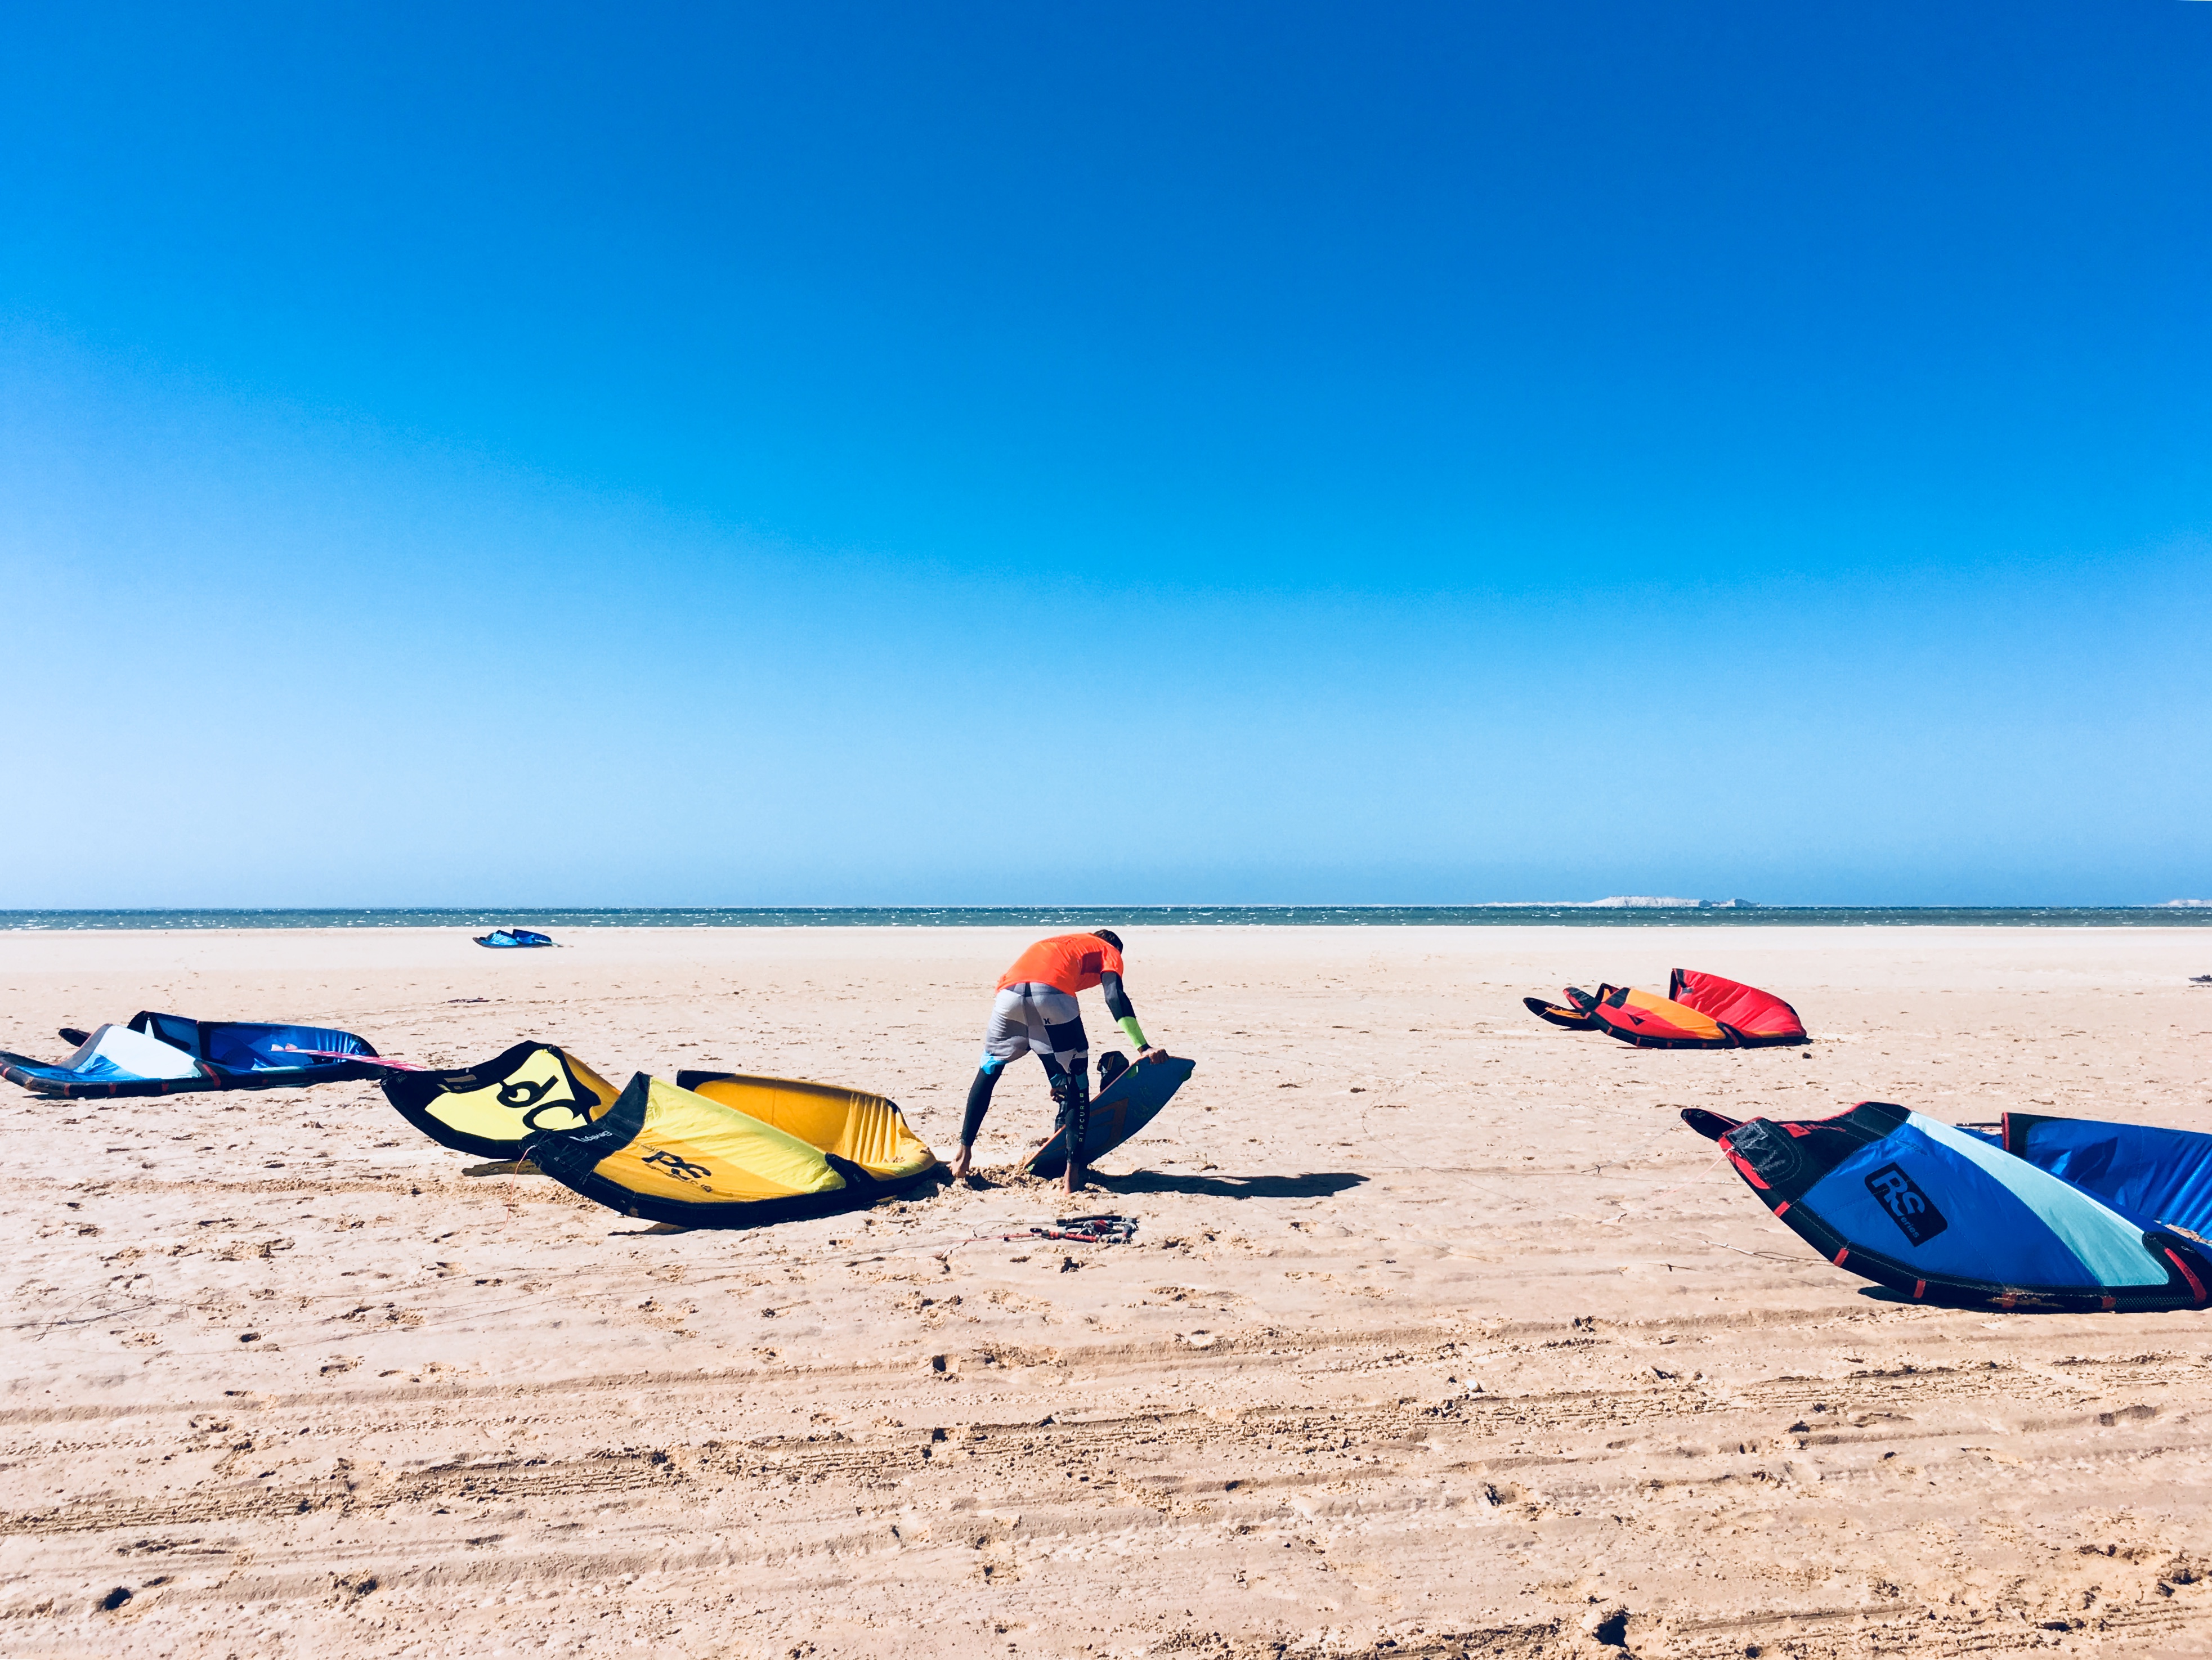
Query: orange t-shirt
[1065,962]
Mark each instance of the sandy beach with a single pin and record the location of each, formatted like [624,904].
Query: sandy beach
[1440,1333]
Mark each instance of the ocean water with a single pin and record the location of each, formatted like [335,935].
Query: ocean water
[1608,914]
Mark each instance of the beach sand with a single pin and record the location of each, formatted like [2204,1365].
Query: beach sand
[1440,1334]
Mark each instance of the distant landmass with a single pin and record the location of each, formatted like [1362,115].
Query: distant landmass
[1639,902]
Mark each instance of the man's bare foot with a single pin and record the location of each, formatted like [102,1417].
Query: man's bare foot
[1074,1179]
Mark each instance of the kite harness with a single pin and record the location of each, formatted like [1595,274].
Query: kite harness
[1104,1229]
[1107,1229]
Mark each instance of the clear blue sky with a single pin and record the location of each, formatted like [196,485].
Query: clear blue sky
[1018,454]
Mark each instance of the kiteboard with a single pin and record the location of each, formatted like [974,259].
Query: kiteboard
[1123,1107]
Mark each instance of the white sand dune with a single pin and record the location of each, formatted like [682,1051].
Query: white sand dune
[1441,1334]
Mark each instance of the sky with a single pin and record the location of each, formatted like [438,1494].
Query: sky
[980,454]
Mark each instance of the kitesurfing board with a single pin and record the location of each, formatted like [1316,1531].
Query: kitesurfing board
[1123,1107]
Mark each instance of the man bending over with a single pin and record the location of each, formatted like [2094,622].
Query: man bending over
[1035,1012]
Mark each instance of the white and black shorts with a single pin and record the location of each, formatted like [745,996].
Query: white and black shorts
[1031,1019]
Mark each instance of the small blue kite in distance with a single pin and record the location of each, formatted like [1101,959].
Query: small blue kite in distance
[506,939]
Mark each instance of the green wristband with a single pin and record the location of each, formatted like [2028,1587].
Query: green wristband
[1128,1024]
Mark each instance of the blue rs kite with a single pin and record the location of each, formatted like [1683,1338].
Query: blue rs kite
[2039,1212]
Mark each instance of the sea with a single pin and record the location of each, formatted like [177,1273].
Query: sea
[1608,913]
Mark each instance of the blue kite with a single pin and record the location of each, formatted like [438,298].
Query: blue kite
[509,939]
[2038,1213]
[168,1054]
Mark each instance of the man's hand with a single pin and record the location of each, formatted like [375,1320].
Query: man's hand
[1151,1052]
[960,1164]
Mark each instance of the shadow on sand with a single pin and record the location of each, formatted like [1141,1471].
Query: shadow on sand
[1969,1306]
[1314,1185]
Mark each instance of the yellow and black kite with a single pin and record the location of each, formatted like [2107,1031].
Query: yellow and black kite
[731,1151]
[493,1109]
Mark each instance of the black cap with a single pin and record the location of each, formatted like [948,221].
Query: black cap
[1108,935]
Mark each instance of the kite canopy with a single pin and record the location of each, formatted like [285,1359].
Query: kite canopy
[1944,1215]
[508,939]
[2153,1176]
[1754,1019]
[492,1109]
[1700,1011]
[863,1130]
[168,1054]
[677,1155]
[1576,1014]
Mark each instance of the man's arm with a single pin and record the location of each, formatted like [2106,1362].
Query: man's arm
[1124,1017]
